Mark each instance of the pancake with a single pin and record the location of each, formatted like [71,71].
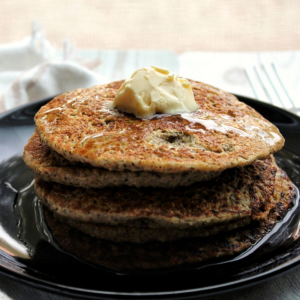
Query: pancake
[51,166]
[236,194]
[120,234]
[156,255]
[142,235]
[223,133]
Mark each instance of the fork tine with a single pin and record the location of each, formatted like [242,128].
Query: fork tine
[255,84]
[251,82]
[267,84]
[282,85]
[273,85]
[264,84]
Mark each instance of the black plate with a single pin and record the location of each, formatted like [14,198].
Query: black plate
[28,254]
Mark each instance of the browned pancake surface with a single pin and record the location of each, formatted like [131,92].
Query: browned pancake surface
[128,256]
[223,133]
[51,166]
[235,194]
[120,233]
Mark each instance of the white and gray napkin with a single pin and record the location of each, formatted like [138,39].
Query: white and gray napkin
[31,70]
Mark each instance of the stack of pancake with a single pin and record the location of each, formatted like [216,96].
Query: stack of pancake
[172,190]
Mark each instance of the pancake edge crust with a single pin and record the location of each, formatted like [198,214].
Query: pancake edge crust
[131,234]
[53,167]
[121,234]
[235,194]
[157,255]
[223,133]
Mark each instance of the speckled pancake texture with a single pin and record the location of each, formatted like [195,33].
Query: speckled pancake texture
[156,255]
[51,166]
[223,133]
[142,235]
[236,194]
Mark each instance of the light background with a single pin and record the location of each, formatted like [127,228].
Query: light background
[201,25]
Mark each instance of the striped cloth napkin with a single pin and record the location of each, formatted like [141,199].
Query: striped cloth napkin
[31,70]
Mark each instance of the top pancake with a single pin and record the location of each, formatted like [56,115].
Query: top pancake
[223,133]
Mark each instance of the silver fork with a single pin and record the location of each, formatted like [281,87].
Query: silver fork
[267,85]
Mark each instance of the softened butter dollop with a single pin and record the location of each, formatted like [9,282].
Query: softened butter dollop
[154,90]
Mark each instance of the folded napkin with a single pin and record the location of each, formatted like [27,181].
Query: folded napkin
[31,70]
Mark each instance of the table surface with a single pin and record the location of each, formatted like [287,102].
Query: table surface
[226,71]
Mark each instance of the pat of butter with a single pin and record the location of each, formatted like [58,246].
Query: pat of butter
[154,90]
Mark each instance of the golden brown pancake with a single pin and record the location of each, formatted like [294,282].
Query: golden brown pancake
[223,133]
[51,166]
[236,194]
[142,235]
[155,255]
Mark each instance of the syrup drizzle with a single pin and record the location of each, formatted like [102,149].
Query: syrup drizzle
[211,125]
[225,124]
